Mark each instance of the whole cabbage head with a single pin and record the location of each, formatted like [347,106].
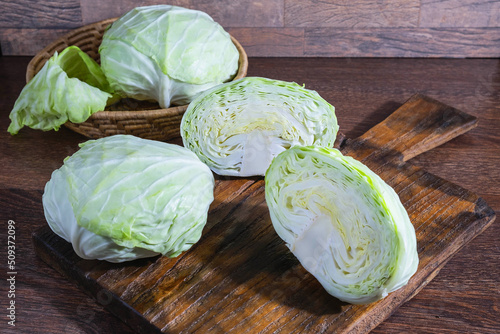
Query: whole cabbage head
[344,224]
[167,54]
[237,128]
[122,198]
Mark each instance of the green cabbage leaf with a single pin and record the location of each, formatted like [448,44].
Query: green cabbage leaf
[70,87]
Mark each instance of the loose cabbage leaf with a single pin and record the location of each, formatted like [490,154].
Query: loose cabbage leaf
[344,224]
[70,87]
[167,53]
[237,128]
[121,197]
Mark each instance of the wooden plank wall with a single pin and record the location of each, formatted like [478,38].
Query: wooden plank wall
[296,28]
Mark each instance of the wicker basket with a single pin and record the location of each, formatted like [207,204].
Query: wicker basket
[139,118]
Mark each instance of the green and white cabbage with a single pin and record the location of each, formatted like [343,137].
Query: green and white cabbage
[122,198]
[237,128]
[344,224]
[70,87]
[167,54]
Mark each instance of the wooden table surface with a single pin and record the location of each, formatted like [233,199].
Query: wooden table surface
[463,298]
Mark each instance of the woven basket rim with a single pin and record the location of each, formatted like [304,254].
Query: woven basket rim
[49,50]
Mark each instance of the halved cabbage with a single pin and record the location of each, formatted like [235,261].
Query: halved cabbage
[167,54]
[121,198]
[344,224]
[70,87]
[237,128]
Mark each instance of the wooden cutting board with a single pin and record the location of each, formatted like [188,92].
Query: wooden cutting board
[241,278]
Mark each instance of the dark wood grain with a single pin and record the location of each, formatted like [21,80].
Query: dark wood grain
[228,13]
[48,14]
[462,298]
[459,13]
[27,42]
[352,14]
[403,42]
[420,125]
[279,28]
[241,267]
[262,42]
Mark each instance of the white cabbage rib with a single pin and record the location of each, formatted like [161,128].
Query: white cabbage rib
[238,128]
[344,224]
[121,198]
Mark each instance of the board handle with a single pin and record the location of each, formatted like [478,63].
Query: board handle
[419,125]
